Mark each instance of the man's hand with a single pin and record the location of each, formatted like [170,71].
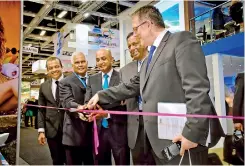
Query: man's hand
[93,101]
[123,102]
[97,115]
[82,107]
[41,139]
[185,144]
[238,126]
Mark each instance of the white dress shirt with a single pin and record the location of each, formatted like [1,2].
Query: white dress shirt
[53,88]
[109,76]
[139,67]
[140,63]
[109,79]
[54,85]
[86,77]
[158,40]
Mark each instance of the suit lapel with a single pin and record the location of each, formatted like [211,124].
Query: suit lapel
[135,67]
[99,81]
[155,57]
[50,92]
[77,81]
[113,79]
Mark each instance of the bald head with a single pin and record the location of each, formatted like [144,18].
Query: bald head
[79,63]
[104,60]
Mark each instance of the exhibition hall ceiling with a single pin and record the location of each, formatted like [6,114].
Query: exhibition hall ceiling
[42,19]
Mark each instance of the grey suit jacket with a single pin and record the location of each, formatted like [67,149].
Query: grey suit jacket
[126,73]
[49,119]
[75,131]
[177,74]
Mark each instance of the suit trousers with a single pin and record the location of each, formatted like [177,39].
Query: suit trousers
[107,145]
[57,149]
[79,155]
[142,152]
[197,158]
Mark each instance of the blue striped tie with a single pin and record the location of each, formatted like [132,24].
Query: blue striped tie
[152,49]
[105,86]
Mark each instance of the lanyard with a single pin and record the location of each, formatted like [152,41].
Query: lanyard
[84,84]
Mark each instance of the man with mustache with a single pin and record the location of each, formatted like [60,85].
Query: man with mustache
[112,129]
[136,131]
[77,133]
[50,121]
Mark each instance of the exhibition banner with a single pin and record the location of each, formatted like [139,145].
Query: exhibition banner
[10,38]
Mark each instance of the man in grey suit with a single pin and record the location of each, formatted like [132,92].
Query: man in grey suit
[174,72]
[136,132]
[77,133]
[50,121]
[112,130]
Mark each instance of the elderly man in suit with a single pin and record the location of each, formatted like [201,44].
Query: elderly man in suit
[77,133]
[136,130]
[174,72]
[50,121]
[112,129]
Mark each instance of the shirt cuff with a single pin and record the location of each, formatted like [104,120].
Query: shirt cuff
[41,130]
[108,116]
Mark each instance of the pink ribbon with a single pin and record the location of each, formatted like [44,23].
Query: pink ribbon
[96,137]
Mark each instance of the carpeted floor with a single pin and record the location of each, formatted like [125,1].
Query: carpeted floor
[34,154]
[30,151]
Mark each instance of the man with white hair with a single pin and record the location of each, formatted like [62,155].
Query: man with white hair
[77,132]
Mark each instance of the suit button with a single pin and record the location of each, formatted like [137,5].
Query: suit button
[58,110]
[144,101]
[137,119]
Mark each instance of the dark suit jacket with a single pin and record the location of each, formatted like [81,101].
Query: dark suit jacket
[119,121]
[238,101]
[126,73]
[177,74]
[49,119]
[75,131]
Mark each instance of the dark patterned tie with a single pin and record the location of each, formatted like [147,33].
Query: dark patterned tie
[57,94]
[84,80]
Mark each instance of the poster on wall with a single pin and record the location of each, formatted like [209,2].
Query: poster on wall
[89,39]
[25,91]
[173,14]
[10,32]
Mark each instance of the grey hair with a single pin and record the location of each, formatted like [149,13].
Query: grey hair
[74,54]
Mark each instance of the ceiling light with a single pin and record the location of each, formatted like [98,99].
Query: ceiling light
[83,1]
[86,15]
[62,14]
[240,65]
[42,33]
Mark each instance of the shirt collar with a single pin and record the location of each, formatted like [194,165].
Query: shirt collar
[61,77]
[158,40]
[109,73]
[141,61]
[86,75]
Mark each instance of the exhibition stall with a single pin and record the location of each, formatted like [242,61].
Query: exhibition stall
[223,49]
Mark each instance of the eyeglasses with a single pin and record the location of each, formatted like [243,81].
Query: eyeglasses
[135,29]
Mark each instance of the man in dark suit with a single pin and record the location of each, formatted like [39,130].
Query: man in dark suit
[136,130]
[50,121]
[174,72]
[112,129]
[77,134]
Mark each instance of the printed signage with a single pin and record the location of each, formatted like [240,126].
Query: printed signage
[30,49]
